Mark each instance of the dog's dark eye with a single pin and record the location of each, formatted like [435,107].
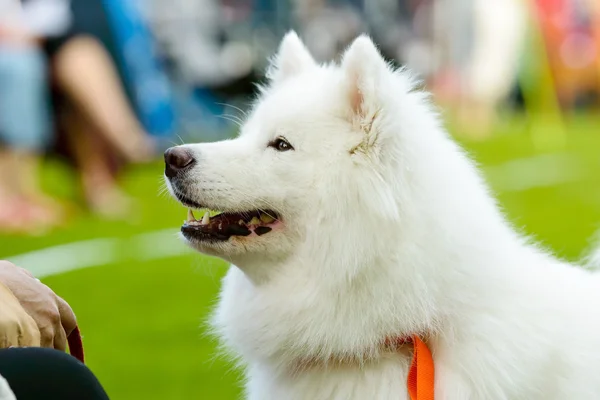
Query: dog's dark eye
[280,144]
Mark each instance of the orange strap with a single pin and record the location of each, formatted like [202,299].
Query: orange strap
[421,375]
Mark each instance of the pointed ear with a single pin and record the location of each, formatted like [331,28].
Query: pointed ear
[291,59]
[364,68]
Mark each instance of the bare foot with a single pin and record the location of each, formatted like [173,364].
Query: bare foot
[20,216]
[110,203]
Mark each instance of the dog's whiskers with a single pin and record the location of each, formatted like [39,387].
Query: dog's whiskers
[230,118]
[244,113]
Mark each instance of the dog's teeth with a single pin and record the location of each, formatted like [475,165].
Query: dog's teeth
[241,222]
[190,216]
[206,218]
[266,218]
[254,221]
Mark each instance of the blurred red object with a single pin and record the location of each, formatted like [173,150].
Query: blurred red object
[572,40]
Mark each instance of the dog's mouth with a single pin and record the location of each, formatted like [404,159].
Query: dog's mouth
[220,226]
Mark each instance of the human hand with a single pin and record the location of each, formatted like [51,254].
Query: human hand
[54,318]
[17,328]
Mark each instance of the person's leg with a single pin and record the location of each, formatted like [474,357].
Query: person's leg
[25,121]
[38,373]
[24,208]
[92,157]
[25,129]
[85,73]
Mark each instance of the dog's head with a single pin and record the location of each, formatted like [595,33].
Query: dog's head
[321,150]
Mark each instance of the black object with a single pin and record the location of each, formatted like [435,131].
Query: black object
[46,374]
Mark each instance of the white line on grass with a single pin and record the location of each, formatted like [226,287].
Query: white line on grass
[104,251]
[535,172]
[513,176]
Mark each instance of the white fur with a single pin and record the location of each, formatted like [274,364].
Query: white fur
[388,230]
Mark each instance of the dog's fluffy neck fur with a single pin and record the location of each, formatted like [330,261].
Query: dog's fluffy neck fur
[430,253]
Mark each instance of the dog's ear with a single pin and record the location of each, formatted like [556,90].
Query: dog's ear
[291,59]
[364,68]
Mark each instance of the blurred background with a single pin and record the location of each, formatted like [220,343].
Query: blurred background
[93,91]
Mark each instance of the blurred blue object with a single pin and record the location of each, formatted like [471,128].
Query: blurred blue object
[25,119]
[200,115]
[142,68]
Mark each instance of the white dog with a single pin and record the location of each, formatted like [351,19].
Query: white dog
[352,218]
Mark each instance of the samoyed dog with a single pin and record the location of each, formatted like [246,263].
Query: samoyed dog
[351,219]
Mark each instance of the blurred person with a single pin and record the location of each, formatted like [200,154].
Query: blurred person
[481,46]
[498,36]
[451,42]
[570,33]
[213,48]
[25,122]
[477,45]
[99,129]
[92,109]
[193,35]
[33,316]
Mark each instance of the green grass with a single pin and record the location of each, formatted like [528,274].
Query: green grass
[142,321]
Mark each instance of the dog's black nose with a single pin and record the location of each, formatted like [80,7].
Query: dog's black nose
[177,159]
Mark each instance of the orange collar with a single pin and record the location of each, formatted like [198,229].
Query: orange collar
[421,375]
[420,382]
